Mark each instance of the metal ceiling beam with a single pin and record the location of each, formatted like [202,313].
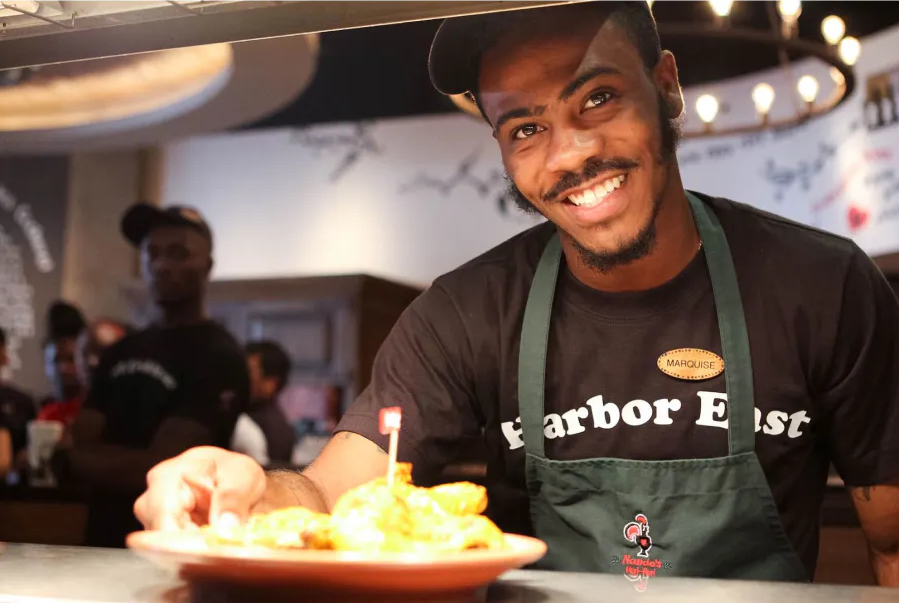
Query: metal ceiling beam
[169,26]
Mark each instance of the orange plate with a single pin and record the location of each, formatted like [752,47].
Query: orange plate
[340,571]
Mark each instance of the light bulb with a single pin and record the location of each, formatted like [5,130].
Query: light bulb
[833,29]
[837,76]
[707,108]
[789,9]
[808,88]
[850,49]
[763,98]
[721,7]
[649,2]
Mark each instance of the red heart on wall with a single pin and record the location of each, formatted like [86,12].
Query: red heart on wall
[857,218]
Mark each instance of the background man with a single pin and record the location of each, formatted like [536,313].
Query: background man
[181,382]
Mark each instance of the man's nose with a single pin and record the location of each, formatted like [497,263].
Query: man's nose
[570,148]
[160,266]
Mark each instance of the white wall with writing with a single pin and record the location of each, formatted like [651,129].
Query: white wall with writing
[32,224]
[411,198]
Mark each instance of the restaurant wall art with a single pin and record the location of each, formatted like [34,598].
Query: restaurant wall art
[411,198]
[33,194]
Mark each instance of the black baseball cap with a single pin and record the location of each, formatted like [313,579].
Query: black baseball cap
[455,58]
[142,218]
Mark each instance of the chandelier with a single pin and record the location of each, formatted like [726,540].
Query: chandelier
[839,51]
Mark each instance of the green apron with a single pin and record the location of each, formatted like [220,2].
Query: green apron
[713,517]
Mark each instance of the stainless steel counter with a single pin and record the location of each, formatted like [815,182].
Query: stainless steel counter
[33,573]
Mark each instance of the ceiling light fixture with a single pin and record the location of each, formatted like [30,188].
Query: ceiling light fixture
[763,98]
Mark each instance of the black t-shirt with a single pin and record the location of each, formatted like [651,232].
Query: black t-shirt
[197,372]
[822,324]
[16,410]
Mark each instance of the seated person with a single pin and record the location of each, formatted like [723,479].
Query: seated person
[64,324]
[16,411]
[263,432]
[68,391]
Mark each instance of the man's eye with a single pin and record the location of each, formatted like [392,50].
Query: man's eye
[596,99]
[525,131]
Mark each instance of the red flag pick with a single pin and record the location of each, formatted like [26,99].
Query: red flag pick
[389,421]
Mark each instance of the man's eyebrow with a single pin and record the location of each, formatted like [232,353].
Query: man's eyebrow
[517,113]
[567,92]
[574,85]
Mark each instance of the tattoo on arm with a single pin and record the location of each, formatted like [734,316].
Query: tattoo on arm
[346,435]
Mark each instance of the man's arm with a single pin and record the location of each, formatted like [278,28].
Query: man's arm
[860,403]
[347,461]
[878,511]
[120,469]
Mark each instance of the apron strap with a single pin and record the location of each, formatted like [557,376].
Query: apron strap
[532,350]
[732,328]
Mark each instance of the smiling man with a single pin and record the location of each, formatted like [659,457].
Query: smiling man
[662,378]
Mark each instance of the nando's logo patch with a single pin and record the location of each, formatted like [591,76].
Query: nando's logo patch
[691,364]
[639,568]
[637,532]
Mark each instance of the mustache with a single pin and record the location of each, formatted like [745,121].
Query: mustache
[593,168]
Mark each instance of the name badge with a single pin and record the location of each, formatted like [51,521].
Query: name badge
[691,364]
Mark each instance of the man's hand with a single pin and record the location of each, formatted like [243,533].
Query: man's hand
[203,485]
[878,512]
[211,485]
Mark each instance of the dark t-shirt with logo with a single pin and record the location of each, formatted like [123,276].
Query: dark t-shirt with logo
[822,324]
[197,372]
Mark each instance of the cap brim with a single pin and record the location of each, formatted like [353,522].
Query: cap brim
[455,57]
[143,217]
[455,54]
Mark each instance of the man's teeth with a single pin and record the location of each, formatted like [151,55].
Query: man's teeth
[596,195]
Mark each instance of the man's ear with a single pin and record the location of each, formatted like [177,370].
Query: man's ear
[668,83]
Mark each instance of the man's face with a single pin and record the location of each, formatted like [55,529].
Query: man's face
[176,263]
[262,388]
[585,131]
[59,365]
